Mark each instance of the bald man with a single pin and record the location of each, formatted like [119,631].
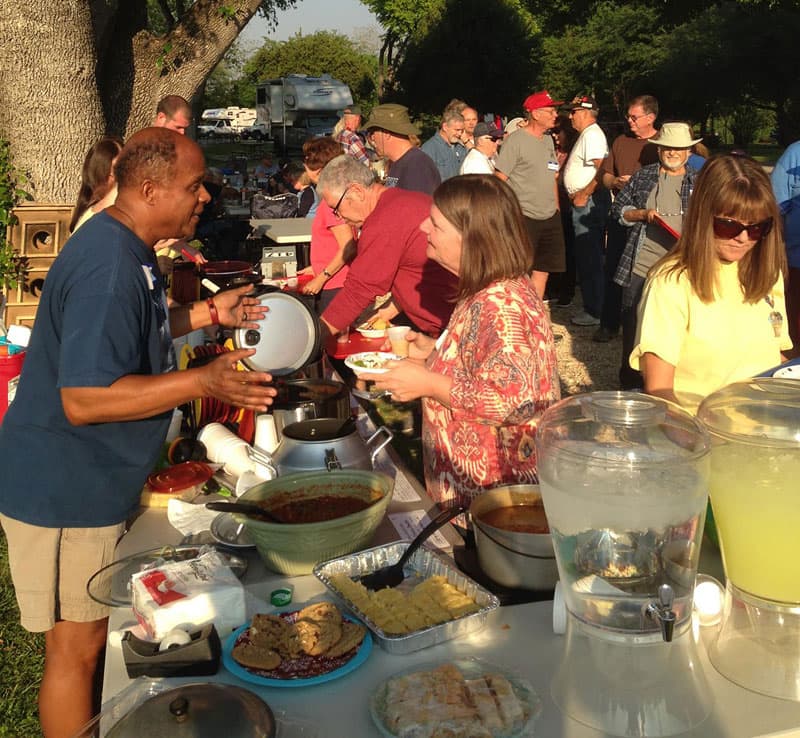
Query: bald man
[94,403]
[173,112]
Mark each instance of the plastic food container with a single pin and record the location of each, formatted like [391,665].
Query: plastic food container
[423,564]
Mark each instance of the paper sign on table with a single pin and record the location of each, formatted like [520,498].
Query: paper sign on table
[403,490]
[408,524]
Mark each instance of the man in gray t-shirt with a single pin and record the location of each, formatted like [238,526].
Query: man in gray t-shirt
[527,161]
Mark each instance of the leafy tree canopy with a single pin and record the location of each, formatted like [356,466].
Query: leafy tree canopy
[228,84]
[484,53]
[698,58]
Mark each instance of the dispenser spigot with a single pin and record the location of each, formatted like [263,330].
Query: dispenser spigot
[662,611]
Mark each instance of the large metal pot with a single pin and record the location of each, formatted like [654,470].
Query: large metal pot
[327,444]
[513,559]
[309,399]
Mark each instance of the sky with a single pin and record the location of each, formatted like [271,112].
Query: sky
[310,16]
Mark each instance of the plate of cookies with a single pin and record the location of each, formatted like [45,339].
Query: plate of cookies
[297,648]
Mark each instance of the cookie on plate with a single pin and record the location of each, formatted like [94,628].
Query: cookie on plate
[275,633]
[321,611]
[253,656]
[317,636]
[352,635]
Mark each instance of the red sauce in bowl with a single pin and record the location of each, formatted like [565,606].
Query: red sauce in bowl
[318,508]
[518,518]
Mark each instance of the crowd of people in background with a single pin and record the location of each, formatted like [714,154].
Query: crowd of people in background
[600,214]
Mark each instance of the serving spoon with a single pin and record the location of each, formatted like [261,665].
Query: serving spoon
[391,576]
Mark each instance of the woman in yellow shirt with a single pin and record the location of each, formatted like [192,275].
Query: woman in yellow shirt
[713,308]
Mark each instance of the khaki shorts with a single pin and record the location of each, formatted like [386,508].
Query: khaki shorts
[50,568]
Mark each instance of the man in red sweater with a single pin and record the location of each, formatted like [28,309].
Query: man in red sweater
[392,250]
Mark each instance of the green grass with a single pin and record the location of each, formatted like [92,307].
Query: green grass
[764,153]
[21,663]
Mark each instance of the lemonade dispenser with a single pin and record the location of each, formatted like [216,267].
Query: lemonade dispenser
[624,480]
[755,495]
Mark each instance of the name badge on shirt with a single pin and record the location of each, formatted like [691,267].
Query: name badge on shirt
[149,276]
[552,166]
[775,317]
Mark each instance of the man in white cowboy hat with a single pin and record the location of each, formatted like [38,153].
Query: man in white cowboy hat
[651,206]
[346,134]
[389,131]
[630,152]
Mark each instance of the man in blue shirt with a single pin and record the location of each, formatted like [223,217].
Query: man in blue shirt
[94,402]
[445,147]
[786,185]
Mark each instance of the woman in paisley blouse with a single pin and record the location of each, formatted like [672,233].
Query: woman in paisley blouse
[489,377]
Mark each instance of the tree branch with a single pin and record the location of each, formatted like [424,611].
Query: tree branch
[163,6]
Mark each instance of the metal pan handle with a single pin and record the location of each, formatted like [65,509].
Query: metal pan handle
[380,446]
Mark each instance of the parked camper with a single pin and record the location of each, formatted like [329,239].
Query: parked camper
[240,118]
[298,107]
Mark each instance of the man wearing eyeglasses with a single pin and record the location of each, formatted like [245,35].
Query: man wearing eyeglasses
[392,251]
[629,152]
[527,161]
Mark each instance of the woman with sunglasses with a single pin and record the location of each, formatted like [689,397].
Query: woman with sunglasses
[713,310]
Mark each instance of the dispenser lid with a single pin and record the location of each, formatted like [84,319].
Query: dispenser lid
[764,411]
[625,428]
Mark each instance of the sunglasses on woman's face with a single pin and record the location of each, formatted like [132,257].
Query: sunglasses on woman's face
[729,228]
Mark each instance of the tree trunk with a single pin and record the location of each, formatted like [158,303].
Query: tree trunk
[141,68]
[50,109]
[76,69]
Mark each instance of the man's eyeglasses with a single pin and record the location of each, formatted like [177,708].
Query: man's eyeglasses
[634,118]
[339,201]
[729,228]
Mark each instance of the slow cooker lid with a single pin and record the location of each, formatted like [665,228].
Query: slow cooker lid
[301,391]
[322,429]
[287,339]
[199,711]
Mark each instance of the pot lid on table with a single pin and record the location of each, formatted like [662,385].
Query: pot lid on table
[199,711]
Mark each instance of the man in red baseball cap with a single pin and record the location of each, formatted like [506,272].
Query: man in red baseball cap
[527,161]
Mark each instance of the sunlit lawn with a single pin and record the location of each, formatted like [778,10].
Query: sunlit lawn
[21,661]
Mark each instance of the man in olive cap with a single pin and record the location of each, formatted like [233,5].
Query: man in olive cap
[389,132]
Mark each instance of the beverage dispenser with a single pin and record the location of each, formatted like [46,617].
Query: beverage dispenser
[755,495]
[624,480]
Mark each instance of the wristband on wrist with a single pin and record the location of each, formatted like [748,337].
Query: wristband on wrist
[212,309]
[327,273]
